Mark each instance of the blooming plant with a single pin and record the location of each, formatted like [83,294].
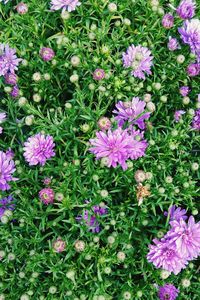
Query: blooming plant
[99,100]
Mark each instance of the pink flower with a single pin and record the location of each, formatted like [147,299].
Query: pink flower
[7,168]
[98,74]
[168,21]
[47,195]
[47,54]
[104,123]
[22,8]
[59,245]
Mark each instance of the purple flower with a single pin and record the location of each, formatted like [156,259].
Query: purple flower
[178,114]
[190,34]
[10,78]
[184,90]
[68,5]
[139,59]
[38,149]
[8,60]
[193,69]
[186,9]
[98,74]
[196,120]
[6,203]
[15,91]
[2,117]
[47,54]
[176,213]
[118,146]
[47,195]
[168,292]
[7,168]
[165,255]
[131,111]
[10,153]
[186,237]
[173,44]
[168,21]
[89,217]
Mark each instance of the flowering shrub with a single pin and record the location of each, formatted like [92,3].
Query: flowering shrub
[99,149]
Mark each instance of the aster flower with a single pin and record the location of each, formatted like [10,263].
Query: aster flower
[165,255]
[139,59]
[178,114]
[176,213]
[173,44]
[22,8]
[168,292]
[47,195]
[131,111]
[186,9]
[184,90]
[47,54]
[196,120]
[10,78]
[168,21]
[59,245]
[104,123]
[15,91]
[68,5]
[38,149]
[190,34]
[7,168]
[8,60]
[186,237]
[193,69]
[6,203]
[2,117]
[98,74]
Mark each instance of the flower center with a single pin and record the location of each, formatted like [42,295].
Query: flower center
[166,296]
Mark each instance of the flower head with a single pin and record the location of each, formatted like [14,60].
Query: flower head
[59,245]
[104,123]
[184,90]
[7,168]
[186,9]
[173,44]
[47,195]
[8,60]
[186,237]
[196,120]
[47,54]
[165,255]
[2,117]
[168,292]
[68,5]
[15,91]
[178,114]
[176,213]
[10,78]
[98,74]
[139,59]
[132,112]
[22,8]
[38,148]
[168,21]
[190,34]
[6,203]
[193,69]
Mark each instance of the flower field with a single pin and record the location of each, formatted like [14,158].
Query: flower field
[99,150]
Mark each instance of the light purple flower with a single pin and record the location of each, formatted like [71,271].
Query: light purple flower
[196,120]
[118,146]
[173,44]
[193,69]
[178,114]
[184,90]
[2,117]
[186,237]
[47,54]
[186,9]
[98,74]
[139,59]
[165,255]
[167,21]
[10,153]
[132,112]
[176,213]
[6,203]
[15,91]
[7,168]
[38,149]
[168,292]
[68,5]
[10,78]
[190,34]
[8,60]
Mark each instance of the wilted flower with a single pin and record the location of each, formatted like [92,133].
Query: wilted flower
[98,74]
[168,21]
[22,8]
[178,114]
[176,213]
[68,5]
[47,195]
[140,176]
[196,120]
[173,44]
[79,246]
[47,54]
[184,90]
[59,245]
[139,59]
[7,168]
[142,192]
[104,123]
[132,112]
[168,292]
[186,9]
[38,149]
